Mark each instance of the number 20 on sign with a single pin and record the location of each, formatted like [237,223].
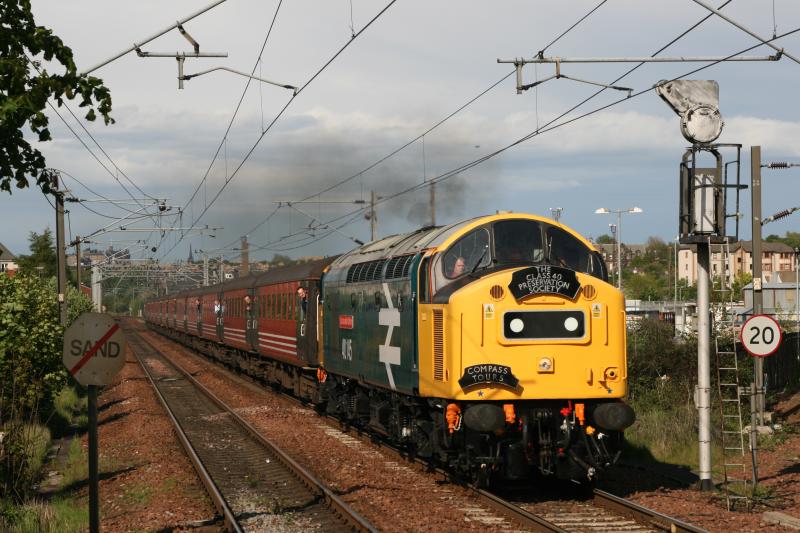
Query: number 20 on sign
[761,335]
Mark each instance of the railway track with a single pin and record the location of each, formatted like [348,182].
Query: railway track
[603,512]
[254,485]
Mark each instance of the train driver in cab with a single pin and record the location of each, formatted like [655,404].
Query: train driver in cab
[458,267]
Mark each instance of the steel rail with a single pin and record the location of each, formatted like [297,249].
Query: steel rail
[509,510]
[635,511]
[339,506]
[216,497]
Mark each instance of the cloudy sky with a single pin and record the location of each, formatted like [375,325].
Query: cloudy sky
[416,64]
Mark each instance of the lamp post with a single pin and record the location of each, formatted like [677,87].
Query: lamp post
[619,212]
[613,228]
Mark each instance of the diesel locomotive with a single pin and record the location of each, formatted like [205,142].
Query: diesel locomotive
[494,346]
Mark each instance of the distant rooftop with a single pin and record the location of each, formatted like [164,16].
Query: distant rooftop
[5,254]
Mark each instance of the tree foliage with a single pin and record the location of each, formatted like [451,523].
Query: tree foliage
[42,259]
[25,88]
[31,341]
[658,361]
[651,275]
[792,238]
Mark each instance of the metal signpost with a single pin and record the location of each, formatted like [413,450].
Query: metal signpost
[94,352]
[761,336]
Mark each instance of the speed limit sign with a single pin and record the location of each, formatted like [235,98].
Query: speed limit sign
[761,335]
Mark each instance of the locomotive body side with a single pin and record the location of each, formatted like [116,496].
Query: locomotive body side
[370,320]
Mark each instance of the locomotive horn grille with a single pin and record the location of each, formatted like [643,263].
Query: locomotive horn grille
[496,292]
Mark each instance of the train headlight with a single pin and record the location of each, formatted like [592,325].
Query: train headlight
[545,364]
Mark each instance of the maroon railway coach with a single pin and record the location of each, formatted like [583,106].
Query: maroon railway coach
[258,321]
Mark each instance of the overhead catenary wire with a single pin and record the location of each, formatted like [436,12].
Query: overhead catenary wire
[36,67]
[536,132]
[550,126]
[238,106]
[415,139]
[204,180]
[281,112]
[458,110]
[579,104]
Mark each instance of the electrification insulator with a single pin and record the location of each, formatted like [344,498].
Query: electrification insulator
[781,214]
[778,164]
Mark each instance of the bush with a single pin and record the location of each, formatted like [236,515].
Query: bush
[58,516]
[31,339]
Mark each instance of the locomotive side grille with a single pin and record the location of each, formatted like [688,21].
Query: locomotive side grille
[407,265]
[377,271]
[398,267]
[438,345]
[391,268]
[367,271]
[372,267]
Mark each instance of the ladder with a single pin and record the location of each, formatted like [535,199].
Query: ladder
[736,483]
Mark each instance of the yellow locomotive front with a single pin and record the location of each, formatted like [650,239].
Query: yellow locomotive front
[523,339]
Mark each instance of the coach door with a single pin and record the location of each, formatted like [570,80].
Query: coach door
[306,322]
[198,314]
[251,320]
[219,314]
[185,322]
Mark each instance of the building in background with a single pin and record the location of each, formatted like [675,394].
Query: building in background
[8,264]
[777,261]
[629,252]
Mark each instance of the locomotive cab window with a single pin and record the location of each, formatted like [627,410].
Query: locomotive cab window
[468,254]
[566,251]
[515,242]
[518,241]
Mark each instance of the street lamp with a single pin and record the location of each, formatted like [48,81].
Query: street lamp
[619,212]
[615,255]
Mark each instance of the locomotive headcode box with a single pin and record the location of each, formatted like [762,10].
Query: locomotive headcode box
[544,279]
